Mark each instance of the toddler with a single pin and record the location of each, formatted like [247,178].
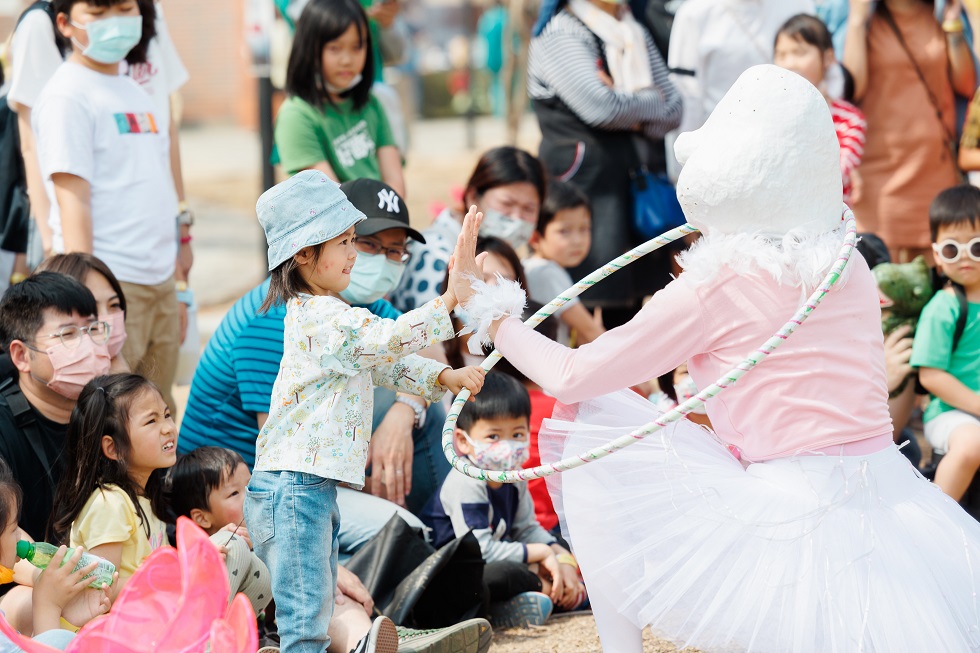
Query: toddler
[947,354]
[208,485]
[561,240]
[319,424]
[527,572]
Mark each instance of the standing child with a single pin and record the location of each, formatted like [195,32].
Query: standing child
[527,572]
[208,485]
[319,424]
[561,240]
[805,46]
[948,362]
[121,432]
[331,122]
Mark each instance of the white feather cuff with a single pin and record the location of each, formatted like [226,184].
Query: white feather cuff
[489,302]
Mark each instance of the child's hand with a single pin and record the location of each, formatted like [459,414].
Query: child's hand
[350,586]
[241,531]
[552,569]
[464,263]
[573,587]
[90,604]
[898,352]
[470,378]
[57,585]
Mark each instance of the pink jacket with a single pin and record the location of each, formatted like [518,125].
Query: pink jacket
[824,386]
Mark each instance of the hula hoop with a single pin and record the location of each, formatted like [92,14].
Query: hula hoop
[726,380]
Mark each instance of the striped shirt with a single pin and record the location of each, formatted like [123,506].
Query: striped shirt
[851,129]
[563,63]
[233,381]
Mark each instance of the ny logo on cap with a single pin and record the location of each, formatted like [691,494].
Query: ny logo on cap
[388,200]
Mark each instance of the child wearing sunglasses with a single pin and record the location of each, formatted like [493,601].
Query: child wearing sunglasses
[949,368]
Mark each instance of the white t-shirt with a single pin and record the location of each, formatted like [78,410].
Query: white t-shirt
[33,56]
[545,281]
[105,129]
[163,73]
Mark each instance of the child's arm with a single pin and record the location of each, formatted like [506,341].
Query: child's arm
[113,553]
[390,164]
[949,389]
[74,196]
[585,325]
[932,353]
[427,378]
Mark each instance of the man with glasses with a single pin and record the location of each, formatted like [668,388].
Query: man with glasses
[49,329]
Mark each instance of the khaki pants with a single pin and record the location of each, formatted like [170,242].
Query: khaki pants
[153,334]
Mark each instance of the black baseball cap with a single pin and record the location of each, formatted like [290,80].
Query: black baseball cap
[384,208]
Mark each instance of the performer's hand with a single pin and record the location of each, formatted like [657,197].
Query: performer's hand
[470,378]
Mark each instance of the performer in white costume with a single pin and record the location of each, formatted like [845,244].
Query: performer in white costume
[823,537]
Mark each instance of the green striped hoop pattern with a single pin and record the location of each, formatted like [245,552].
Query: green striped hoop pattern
[729,378]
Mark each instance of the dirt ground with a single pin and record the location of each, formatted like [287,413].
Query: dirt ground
[566,634]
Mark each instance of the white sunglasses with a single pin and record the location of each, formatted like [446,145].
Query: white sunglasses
[950,251]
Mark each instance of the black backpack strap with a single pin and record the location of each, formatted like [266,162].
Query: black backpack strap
[27,422]
[48,8]
[963,314]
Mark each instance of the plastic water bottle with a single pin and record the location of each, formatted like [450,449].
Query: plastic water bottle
[39,554]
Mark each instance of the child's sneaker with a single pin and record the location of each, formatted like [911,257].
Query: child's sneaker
[526,609]
[472,636]
[382,638]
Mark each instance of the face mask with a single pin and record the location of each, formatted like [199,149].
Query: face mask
[372,277]
[514,231]
[685,389]
[111,39]
[73,368]
[337,90]
[503,455]
[117,331]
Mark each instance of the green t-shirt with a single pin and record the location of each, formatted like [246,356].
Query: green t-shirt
[933,345]
[345,138]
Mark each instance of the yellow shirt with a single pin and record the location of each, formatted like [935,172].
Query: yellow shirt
[109,517]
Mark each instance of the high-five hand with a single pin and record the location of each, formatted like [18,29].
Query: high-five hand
[464,264]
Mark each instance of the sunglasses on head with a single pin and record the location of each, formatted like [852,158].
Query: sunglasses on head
[950,251]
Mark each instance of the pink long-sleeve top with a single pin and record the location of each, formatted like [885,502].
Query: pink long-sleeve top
[823,387]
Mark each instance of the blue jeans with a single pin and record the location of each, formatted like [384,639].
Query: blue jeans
[294,523]
[429,464]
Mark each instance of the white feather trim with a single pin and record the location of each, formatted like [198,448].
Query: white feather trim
[490,302]
[795,260]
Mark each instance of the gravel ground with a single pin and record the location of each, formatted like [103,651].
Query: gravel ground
[566,634]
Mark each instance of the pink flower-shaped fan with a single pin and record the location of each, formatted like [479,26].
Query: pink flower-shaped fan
[176,602]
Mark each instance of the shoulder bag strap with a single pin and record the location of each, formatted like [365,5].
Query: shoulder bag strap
[963,314]
[27,423]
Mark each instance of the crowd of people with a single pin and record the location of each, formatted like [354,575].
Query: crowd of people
[315,416]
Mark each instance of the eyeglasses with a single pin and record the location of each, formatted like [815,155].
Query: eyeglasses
[370,246]
[71,336]
[950,251]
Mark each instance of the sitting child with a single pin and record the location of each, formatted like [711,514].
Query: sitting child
[527,572]
[208,486]
[561,240]
[59,597]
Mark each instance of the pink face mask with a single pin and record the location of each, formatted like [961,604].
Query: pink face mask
[117,331]
[73,368]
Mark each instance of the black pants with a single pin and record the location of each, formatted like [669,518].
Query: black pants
[505,580]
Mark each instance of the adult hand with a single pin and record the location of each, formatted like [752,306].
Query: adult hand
[384,13]
[898,351]
[953,10]
[464,264]
[350,586]
[390,455]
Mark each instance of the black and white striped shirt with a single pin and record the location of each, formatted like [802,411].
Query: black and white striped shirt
[563,62]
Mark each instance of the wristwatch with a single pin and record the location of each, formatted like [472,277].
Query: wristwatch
[418,407]
[184,216]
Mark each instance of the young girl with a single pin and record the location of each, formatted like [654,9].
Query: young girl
[331,122]
[319,423]
[120,433]
[509,185]
[109,297]
[805,46]
[823,537]
[561,240]
[58,594]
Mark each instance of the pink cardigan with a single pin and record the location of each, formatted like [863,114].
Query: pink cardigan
[822,388]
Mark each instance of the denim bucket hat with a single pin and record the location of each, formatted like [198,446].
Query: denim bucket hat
[306,209]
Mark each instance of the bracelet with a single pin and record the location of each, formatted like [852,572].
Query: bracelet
[567,559]
[954,26]
[16,278]
[185,240]
[67,625]
[418,407]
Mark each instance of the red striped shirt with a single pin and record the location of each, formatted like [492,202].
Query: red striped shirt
[851,129]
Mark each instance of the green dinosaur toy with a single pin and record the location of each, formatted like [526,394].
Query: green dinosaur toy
[904,289]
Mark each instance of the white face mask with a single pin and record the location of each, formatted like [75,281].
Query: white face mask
[372,277]
[337,90]
[514,231]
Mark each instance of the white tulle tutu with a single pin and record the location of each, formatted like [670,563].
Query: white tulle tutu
[812,553]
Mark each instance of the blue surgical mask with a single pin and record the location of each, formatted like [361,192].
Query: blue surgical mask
[110,39]
[514,231]
[372,277]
